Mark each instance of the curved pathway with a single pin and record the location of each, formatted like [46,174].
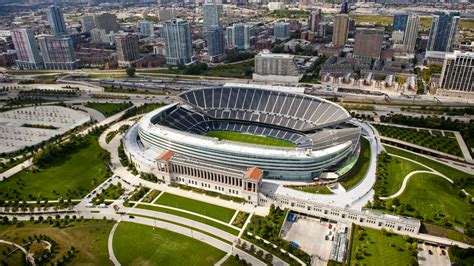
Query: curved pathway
[110,245]
[407,177]
[29,256]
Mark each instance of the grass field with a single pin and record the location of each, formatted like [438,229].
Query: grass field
[397,169]
[421,138]
[461,178]
[314,189]
[89,237]
[248,138]
[357,173]
[73,177]
[373,247]
[210,210]
[436,199]
[191,217]
[136,244]
[108,109]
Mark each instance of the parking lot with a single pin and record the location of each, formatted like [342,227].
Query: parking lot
[311,234]
[432,255]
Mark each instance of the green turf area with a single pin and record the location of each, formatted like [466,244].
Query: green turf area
[357,173]
[269,226]
[314,189]
[70,177]
[391,171]
[421,138]
[89,237]
[374,247]
[107,75]
[435,199]
[462,179]
[191,217]
[248,138]
[108,109]
[210,210]
[136,244]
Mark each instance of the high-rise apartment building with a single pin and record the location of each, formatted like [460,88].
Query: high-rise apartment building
[146,28]
[411,33]
[97,35]
[340,30]
[56,20]
[57,52]
[87,23]
[443,32]
[315,18]
[166,14]
[368,43]
[276,67]
[177,35]
[127,48]
[27,52]
[211,14]
[281,30]
[215,41]
[239,35]
[107,22]
[399,22]
[458,72]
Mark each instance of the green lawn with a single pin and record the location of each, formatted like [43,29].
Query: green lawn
[89,237]
[461,178]
[151,196]
[136,244]
[248,138]
[421,138]
[315,189]
[191,217]
[108,109]
[373,247]
[210,210]
[112,192]
[397,169]
[436,199]
[357,173]
[72,177]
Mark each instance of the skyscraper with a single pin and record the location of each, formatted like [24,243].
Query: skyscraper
[458,72]
[87,23]
[107,22]
[57,52]
[368,43]
[146,28]
[26,49]
[215,41]
[314,20]
[281,31]
[211,14]
[443,32]
[411,33]
[166,14]
[177,34]
[127,48]
[239,35]
[341,27]
[56,20]
[399,22]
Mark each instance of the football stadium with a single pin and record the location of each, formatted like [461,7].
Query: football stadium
[289,136]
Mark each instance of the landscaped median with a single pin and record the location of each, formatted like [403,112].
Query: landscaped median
[193,217]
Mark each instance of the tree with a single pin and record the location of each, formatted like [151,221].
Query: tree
[131,71]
